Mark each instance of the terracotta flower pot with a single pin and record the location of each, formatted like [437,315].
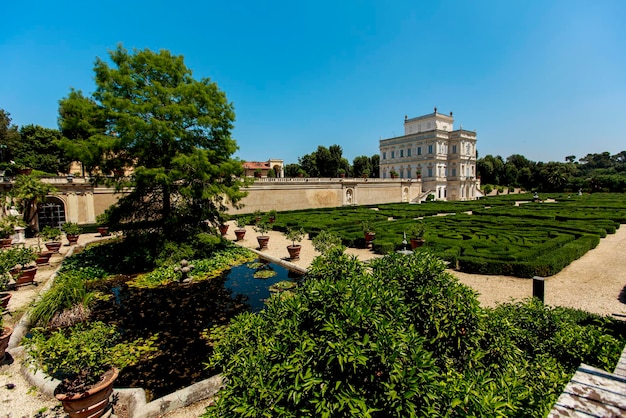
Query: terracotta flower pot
[72,239]
[103,231]
[53,246]
[294,251]
[6,242]
[263,240]
[92,403]
[369,237]
[5,336]
[223,229]
[240,233]
[26,276]
[44,257]
[416,242]
[4,300]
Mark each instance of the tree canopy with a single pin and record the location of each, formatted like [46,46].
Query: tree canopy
[593,172]
[160,136]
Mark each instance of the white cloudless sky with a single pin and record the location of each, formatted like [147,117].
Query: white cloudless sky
[544,79]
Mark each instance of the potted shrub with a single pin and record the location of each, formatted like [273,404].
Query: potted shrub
[86,358]
[223,226]
[393,174]
[272,216]
[24,269]
[257,216]
[72,231]
[103,220]
[294,235]
[6,264]
[241,223]
[52,236]
[43,256]
[261,228]
[7,228]
[325,241]
[416,234]
[368,232]
[5,336]
[341,173]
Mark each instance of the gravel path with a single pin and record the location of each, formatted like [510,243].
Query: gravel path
[593,283]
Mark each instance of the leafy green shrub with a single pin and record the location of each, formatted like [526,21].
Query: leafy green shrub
[337,348]
[86,349]
[71,228]
[451,320]
[403,338]
[324,240]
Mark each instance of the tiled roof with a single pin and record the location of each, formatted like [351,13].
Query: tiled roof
[253,165]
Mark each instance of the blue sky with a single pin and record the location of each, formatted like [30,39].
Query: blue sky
[544,79]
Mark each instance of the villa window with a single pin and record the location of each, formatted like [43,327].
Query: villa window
[453,149]
[393,155]
[408,152]
[430,171]
[454,172]
[401,153]
[384,155]
[419,150]
[430,149]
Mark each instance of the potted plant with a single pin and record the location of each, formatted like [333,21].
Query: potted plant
[223,226]
[261,228]
[341,173]
[52,236]
[393,174]
[294,235]
[257,216]
[325,241]
[24,269]
[5,336]
[241,223]
[416,234]
[368,232]
[72,231]
[272,216]
[87,358]
[7,228]
[6,264]
[103,220]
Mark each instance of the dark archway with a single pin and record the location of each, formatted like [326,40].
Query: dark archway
[51,213]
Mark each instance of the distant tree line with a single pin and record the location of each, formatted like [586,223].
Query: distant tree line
[30,146]
[329,162]
[592,173]
[45,149]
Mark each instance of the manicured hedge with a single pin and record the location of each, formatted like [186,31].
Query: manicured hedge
[497,237]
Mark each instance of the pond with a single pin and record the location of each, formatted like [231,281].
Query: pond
[179,313]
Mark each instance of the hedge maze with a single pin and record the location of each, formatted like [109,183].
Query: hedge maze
[489,236]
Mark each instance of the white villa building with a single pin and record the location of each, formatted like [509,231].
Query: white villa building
[430,149]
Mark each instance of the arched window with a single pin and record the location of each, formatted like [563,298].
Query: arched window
[51,213]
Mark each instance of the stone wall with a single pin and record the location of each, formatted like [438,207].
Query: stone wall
[83,202]
[299,193]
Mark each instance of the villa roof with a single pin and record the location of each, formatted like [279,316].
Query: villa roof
[253,165]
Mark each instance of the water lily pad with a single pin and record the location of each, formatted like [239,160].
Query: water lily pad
[282,286]
[264,274]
